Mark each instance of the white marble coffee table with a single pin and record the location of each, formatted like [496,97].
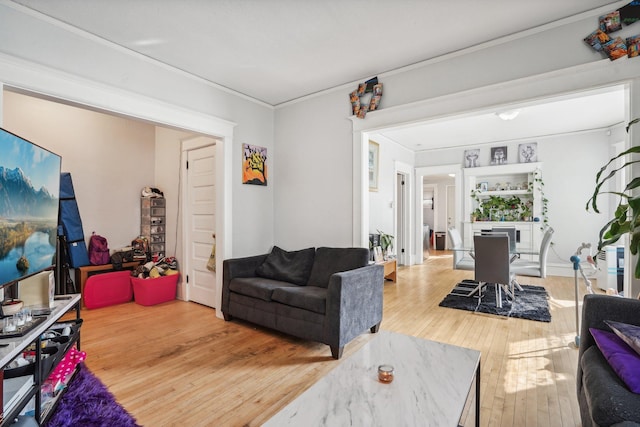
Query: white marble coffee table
[432,382]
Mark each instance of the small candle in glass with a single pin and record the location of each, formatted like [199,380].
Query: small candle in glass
[385,373]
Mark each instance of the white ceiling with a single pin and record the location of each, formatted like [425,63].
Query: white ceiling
[279,50]
[586,111]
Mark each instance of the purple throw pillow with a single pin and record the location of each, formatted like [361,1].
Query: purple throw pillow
[623,360]
[627,333]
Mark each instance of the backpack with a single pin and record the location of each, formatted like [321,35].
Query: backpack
[98,250]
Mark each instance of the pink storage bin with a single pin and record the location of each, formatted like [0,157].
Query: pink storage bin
[102,290]
[154,291]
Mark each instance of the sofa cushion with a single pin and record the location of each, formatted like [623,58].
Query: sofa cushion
[292,267]
[627,333]
[334,260]
[609,400]
[308,298]
[257,287]
[623,359]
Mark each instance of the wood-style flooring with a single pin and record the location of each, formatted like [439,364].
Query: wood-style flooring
[177,364]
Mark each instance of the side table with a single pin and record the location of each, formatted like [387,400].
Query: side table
[390,267]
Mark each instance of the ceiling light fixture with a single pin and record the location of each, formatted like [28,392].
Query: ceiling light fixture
[508,115]
[452,175]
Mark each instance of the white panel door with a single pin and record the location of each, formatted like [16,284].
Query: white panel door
[201,220]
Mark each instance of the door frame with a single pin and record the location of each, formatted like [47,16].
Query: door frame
[456,194]
[420,174]
[406,171]
[186,145]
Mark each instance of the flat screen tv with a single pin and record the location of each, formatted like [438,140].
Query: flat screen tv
[29,194]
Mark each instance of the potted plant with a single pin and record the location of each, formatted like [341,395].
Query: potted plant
[626,219]
[386,242]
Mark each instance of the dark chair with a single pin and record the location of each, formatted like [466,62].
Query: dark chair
[493,264]
[511,232]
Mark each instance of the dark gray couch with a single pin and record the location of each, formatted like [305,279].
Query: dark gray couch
[604,399]
[329,295]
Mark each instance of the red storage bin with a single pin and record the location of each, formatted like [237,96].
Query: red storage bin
[156,290]
[102,290]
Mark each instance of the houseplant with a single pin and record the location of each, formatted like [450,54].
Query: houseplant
[386,242]
[626,219]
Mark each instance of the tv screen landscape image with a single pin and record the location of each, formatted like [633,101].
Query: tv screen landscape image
[29,195]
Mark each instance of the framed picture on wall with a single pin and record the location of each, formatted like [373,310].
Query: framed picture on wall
[254,165]
[374,154]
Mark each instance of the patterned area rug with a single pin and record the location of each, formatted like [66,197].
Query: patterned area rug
[531,303]
[88,402]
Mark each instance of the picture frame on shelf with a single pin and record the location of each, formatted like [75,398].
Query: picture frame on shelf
[499,155]
[471,158]
[374,155]
[483,186]
[528,152]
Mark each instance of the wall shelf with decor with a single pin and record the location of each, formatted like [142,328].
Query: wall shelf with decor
[504,195]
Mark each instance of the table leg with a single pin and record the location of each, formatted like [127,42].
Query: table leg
[478,395]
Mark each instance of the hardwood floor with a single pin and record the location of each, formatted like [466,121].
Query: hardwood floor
[177,364]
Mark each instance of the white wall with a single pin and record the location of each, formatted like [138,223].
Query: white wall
[521,69]
[110,160]
[311,193]
[381,202]
[75,59]
[312,174]
[569,165]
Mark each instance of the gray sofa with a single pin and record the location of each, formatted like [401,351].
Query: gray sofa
[329,295]
[603,398]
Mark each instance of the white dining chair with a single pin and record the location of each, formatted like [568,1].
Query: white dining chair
[536,268]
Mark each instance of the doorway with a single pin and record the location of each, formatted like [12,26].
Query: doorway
[438,199]
[451,211]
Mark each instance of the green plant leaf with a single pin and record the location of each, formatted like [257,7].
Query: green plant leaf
[601,181]
[631,123]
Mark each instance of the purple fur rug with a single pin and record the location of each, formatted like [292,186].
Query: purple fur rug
[88,402]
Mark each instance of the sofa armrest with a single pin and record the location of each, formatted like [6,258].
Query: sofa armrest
[237,267]
[598,308]
[354,303]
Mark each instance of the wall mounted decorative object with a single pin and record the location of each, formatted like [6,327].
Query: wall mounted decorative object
[374,154]
[254,165]
[362,102]
[615,47]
